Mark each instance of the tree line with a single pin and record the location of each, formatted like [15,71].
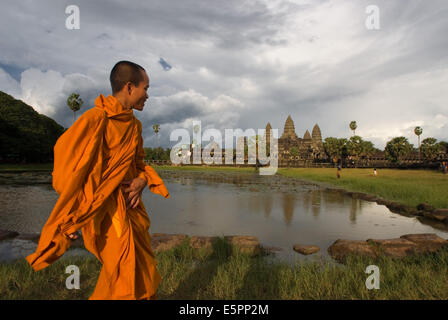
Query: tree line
[396,149]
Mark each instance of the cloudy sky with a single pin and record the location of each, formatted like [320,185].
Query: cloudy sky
[239,64]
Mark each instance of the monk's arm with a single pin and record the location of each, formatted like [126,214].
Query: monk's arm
[140,157]
[145,171]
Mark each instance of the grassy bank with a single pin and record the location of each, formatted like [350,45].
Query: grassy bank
[225,273]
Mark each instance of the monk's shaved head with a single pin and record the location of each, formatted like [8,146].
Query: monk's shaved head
[124,72]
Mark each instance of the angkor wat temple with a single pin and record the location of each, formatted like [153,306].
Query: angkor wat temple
[291,147]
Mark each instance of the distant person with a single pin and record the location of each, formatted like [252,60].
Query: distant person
[374,172]
[444,167]
[338,172]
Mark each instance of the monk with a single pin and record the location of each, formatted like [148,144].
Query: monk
[99,174]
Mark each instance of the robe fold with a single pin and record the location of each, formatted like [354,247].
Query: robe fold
[91,159]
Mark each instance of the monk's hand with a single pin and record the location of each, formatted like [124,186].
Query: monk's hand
[135,188]
[73,236]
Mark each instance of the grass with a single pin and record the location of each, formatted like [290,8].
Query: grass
[225,273]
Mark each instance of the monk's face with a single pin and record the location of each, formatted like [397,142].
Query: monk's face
[139,94]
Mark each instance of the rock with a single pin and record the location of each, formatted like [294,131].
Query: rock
[406,245]
[425,207]
[247,244]
[369,197]
[356,195]
[394,248]
[6,234]
[440,225]
[305,249]
[381,201]
[397,207]
[420,213]
[432,215]
[163,241]
[341,248]
[413,211]
[34,237]
[426,242]
[441,212]
[201,241]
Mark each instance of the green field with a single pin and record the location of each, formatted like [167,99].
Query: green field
[225,273]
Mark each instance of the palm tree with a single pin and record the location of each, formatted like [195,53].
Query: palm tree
[353,126]
[418,131]
[74,102]
[156,128]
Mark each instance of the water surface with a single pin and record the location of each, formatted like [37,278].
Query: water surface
[279,211]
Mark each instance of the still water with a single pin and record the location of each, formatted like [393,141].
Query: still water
[279,211]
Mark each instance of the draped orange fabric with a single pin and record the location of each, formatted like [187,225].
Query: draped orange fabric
[91,159]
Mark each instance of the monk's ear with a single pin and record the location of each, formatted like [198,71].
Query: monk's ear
[129,88]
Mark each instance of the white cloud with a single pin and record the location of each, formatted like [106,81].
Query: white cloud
[42,90]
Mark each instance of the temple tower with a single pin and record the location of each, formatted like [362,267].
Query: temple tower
[289,130]
[307,135]
[316,135]
[267,133]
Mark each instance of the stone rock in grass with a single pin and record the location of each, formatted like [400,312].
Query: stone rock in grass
[406,245]
[396,207]
[201,241]
[369,197]
[420,213]
[381,201]
[426,242]
[163,241]
[434,216]
[394,248]
[6,234]
[413,211]
[305,249]
[341,248]
[247,244]
[425,207]
[441,212]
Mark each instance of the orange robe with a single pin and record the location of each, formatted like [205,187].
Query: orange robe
[91,159]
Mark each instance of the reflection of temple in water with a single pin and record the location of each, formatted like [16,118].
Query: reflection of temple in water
[288,207]
[355,209]
[315,202]
[267,205]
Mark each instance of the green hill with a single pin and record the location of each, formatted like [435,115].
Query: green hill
[25,135]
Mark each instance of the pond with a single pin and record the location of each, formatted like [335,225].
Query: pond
[279,211]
